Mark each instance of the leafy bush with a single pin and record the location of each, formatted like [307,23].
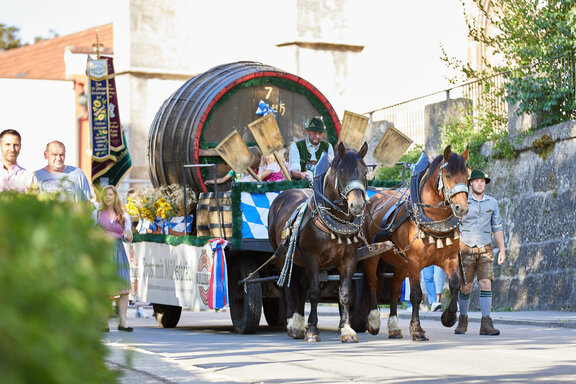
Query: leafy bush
[56,275]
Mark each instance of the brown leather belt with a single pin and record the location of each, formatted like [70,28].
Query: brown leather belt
[475,250]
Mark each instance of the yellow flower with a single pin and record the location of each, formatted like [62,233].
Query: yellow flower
[146,214]
[163,208]
[131,208]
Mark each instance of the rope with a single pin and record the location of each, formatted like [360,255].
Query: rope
[289,260]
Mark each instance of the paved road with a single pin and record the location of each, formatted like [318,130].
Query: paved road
[204,349]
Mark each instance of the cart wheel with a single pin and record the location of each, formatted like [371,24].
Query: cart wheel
[167,316]
[272,312]
[245,299]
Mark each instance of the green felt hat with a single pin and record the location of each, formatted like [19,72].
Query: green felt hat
[316,125]
[478,174]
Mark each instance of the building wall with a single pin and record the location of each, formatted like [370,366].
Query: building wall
[41,111]
[164,42]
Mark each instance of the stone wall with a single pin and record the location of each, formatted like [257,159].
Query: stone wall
[435,117]
[537,197]
[536,191]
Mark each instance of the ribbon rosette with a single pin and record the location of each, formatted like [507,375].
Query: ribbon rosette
[264,109]
[218,289]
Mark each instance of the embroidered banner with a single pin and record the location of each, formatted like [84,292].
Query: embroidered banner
[98,98]
[116,137]
[110,157]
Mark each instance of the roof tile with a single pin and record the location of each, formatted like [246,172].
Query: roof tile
[45,59]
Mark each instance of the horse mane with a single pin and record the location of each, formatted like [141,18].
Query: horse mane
[348,162]
[456,164]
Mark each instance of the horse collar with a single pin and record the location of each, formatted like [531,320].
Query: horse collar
[333,223]
[446,225]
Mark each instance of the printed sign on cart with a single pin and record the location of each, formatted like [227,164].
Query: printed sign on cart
[174,275]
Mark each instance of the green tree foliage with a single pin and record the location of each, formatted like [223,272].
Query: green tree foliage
[531,36]
[532,43]
[468,131]
[56,275]
[9,37]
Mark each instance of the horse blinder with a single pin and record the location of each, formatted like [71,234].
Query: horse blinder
[448,194]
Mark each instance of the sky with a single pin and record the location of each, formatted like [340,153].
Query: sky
[402,33]
[36,18]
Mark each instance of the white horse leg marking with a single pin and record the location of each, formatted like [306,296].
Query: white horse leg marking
[295,326]
[394,331]
[393,323]
[374,319]
[347,334]
[299,322]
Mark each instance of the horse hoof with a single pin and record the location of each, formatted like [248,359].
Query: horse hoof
[349,339]
[448,319]
[312,338]
[420,336]
[295,334]
[395,334]
[373,331]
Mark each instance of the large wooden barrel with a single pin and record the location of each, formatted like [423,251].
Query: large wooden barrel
[209,106]
[209,214]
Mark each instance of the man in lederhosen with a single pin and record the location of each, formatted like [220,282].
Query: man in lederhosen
[482,220]
[305,153]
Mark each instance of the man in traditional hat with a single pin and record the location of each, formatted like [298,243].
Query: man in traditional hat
[305,153]
[482,220]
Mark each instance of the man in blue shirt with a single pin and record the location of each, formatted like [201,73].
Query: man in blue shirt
[482,220]
[305,153]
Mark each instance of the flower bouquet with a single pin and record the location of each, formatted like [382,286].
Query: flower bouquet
[161,210]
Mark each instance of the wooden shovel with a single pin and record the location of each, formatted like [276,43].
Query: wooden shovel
[353,130]
[267,134]
[237,154]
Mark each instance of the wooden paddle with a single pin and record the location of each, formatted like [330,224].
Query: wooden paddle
[353,130]
[267,134]
[237,154]
[390,148]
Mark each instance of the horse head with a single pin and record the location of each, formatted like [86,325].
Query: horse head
[453,181]
[348,177]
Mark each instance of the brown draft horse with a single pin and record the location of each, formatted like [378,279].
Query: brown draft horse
[429,236]
[322,238]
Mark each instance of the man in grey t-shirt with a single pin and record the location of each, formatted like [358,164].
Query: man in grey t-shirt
[56,177]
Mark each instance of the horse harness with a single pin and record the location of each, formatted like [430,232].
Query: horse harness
[320,207]
[323,218]
[435,230]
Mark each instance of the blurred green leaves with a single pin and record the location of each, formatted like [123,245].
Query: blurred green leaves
[56,276]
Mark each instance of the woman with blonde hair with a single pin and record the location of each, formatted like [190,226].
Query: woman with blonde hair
[112,217]
[270,170]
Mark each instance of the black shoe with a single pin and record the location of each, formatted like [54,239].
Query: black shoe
[125,329]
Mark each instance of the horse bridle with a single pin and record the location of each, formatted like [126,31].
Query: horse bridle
[352,185]
[343,192]
[458,188]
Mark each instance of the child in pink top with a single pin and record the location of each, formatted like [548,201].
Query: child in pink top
[270,170]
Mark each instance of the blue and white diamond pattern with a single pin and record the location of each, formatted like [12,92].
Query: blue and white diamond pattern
[255,207]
